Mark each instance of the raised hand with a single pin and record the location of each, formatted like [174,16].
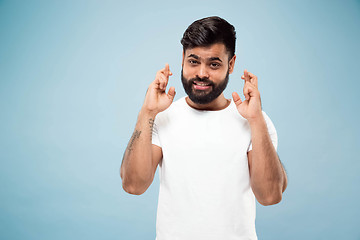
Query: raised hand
[250,108]
[156,99]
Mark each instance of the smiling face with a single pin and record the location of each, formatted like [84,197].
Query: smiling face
[206,72]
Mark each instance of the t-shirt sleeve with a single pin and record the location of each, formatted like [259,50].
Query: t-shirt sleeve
[155,133]
[271,130]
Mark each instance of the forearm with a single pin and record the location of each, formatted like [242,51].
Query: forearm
[267,174]
[137,166]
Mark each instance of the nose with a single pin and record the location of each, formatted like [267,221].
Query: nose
[203,73]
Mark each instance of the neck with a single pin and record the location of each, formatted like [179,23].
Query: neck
[218,104]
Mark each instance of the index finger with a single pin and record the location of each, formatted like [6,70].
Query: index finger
[167,70]
[246,75]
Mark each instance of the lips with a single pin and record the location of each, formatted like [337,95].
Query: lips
[199,85]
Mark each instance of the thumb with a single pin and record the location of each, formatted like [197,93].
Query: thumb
[236,98]
[171,93]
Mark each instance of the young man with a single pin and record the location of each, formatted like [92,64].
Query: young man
[215,155]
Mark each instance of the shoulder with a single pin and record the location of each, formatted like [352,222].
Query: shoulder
[175,108]
[267,119]
[271,127]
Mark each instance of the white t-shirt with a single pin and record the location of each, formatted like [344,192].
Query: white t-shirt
[205,191]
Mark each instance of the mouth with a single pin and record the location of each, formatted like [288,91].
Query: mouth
[199,85]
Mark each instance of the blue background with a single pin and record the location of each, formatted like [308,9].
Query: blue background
[73,75]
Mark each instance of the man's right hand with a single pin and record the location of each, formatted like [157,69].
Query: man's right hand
[141,157]
[156,99]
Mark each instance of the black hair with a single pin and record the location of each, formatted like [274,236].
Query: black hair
[207,31]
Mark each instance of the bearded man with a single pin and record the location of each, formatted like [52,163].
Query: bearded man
[215,155]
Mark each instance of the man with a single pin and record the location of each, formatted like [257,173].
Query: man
[215,155]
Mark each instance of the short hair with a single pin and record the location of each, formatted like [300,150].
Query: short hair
[210,30]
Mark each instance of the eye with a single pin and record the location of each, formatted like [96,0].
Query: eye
[215,65]
[193,62]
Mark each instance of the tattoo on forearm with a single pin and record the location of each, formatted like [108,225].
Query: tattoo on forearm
[151,123]
[135,136]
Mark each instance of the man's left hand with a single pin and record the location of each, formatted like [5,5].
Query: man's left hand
[250,108]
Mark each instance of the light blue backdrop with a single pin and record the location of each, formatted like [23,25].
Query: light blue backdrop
[73,77]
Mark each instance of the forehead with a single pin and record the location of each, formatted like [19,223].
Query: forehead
[215,50]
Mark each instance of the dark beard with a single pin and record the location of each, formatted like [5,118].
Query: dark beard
[200,96]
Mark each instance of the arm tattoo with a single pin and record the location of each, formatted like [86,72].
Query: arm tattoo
[151,123]
[135,136]
[137,133]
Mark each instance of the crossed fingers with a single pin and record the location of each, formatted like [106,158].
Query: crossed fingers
[249,77]
[250,85]
[162,77]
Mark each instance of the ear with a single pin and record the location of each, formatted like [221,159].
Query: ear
[232,64]
[183,56]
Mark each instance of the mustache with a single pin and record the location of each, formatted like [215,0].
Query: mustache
[204,80]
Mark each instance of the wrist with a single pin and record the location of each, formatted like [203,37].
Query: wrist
[257,121]
[144,112]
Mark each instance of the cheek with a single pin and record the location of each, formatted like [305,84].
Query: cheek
[218,76]
[189,73]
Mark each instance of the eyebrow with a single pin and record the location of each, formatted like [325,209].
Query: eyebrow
[215,58]
[210,59]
